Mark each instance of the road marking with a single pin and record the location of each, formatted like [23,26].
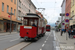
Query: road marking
[14,40]
[45,41]
[54,36]
[40,49]
[48,37]
[43,45]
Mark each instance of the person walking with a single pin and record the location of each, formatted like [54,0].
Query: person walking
[69,32]
[62,31]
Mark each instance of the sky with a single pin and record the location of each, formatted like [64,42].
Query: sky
[52,9]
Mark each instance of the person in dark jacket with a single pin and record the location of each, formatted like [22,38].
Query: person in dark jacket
[69,32]
[33,24]
[72,33]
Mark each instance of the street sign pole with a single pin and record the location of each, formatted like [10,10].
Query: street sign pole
[10,23]
[10,20]
[67,22]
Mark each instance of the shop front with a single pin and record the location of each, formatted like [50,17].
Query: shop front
[1,26]
[72,23]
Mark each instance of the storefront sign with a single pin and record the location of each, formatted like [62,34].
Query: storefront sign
[72,22]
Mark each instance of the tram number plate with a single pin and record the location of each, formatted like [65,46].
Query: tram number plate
[27,27]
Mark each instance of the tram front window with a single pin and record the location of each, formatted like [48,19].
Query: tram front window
[36,22]
[47,27]
[25,21]
[30,22]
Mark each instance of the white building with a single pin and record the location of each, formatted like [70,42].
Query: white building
[63,11]
[23,7]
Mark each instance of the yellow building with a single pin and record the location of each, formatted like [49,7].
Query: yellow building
[7,6]
[72,22]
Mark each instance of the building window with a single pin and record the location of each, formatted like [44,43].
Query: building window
[19,3]
[14,1]
[11,0]
[73,2]
[11,9]
[14,11]
[7,8]
[29,11]
[2,6]
[72,13]
[19,13]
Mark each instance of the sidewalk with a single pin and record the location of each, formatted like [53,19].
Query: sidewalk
[7,33]
[68,44]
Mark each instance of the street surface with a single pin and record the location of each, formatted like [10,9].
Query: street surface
[45,43]
[13,41]
[9,40]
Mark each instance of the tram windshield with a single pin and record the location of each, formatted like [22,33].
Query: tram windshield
[47,27]
[29,22]
[25,21]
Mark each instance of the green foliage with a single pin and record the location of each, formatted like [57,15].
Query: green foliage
[59,26]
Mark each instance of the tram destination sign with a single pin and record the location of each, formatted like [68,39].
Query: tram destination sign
[28,27]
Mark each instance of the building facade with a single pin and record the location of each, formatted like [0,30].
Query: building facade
[63,11]
[68,10]
[18,8]
[23,7]
[72,22]
[6,7]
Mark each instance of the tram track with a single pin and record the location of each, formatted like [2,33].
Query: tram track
[19,46]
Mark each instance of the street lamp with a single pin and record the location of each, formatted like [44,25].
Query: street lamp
[10,19]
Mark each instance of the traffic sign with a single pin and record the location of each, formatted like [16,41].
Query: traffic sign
[63,23]
[67,20]
[67,14]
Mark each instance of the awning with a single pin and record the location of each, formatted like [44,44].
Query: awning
[72,22]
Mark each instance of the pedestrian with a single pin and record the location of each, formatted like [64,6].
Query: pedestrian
[72,32]
[62,31]
[33,24]
[69,32]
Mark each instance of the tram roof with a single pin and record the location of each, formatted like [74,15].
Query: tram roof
[31,15]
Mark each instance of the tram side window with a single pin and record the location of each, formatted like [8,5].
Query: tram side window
[40,23]
[25,21]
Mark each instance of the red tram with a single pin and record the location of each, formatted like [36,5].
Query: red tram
[48,27]
[29,32]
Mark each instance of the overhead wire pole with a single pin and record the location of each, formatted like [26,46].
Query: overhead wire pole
[10,20]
